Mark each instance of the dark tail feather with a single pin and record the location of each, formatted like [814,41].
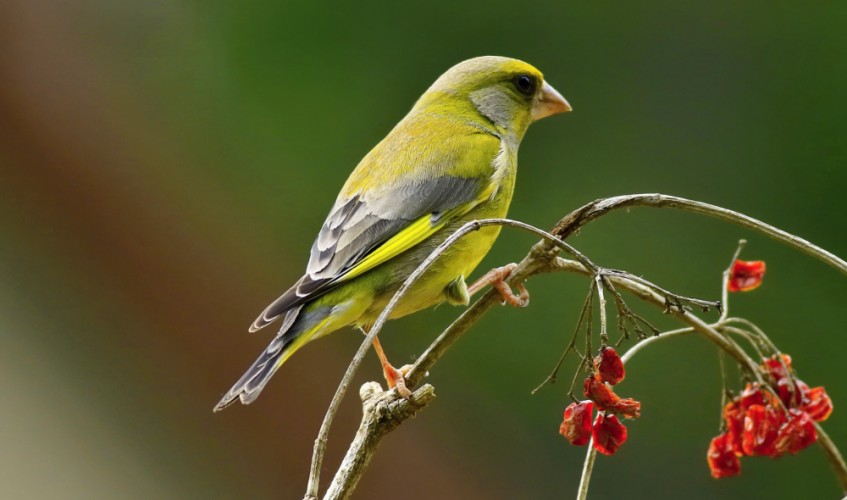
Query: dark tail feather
[306,289]
[295,332]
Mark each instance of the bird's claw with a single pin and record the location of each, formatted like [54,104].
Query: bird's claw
[509,297]
[396,379]
[497,279]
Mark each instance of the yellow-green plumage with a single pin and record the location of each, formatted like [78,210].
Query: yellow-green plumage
[452,159]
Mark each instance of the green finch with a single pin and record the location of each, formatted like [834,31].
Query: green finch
[450,160]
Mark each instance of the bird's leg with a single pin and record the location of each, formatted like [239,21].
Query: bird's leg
[496,278]
[394,377]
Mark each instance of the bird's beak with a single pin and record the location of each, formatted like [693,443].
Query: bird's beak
[551,103]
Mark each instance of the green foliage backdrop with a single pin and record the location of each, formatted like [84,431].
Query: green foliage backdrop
[164,166]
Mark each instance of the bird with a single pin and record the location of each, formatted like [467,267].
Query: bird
[452,159]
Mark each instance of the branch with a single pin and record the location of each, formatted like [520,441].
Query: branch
[574,221]
[382,413]
[542,258]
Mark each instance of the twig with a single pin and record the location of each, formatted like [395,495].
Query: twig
[759,335]
[589,330]
[671,299]
[604,334]
[751,338]
[725,394]
[587,469]
[552,377]
[578,218]
[381,414]
[725,283]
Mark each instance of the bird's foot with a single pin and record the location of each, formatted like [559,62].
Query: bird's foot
[396,378]
[496,278]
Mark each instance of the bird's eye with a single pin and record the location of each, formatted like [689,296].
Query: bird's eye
[525,84]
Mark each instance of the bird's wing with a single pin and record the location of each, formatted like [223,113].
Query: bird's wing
[367,227]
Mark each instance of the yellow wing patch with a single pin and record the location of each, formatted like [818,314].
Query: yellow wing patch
[415,233]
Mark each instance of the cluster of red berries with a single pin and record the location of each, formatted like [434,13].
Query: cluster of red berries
[608,432]
[768,421]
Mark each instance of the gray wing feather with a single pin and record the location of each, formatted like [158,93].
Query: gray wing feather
[357,225]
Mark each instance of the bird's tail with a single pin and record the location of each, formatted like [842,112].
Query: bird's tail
[299,327]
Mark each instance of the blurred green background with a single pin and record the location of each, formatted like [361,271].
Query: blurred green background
[164,166]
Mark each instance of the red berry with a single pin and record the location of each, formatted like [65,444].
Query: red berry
[600,393]
[817,404]
[609,434]
[626,407]
[733,415]
[608,366]
[752,395]
[791,391]
[576,424]
[761,425]
[723,462]
[746,275]
[775,367]
[797,433]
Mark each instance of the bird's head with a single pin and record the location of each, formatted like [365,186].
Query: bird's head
[506,92]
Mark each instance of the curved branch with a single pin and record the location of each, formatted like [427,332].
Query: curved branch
[542,258]
[587,213]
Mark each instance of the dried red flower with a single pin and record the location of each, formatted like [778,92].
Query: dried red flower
[746,275]
[797,433]
[723,462]
[791,391]
[817,404]
[626,407]
[752,395]
[609,434]
[608,366]
[733,415]
[761,425]
[775,367]
[780,371]
[600,393]
[757,424]
[576,423]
